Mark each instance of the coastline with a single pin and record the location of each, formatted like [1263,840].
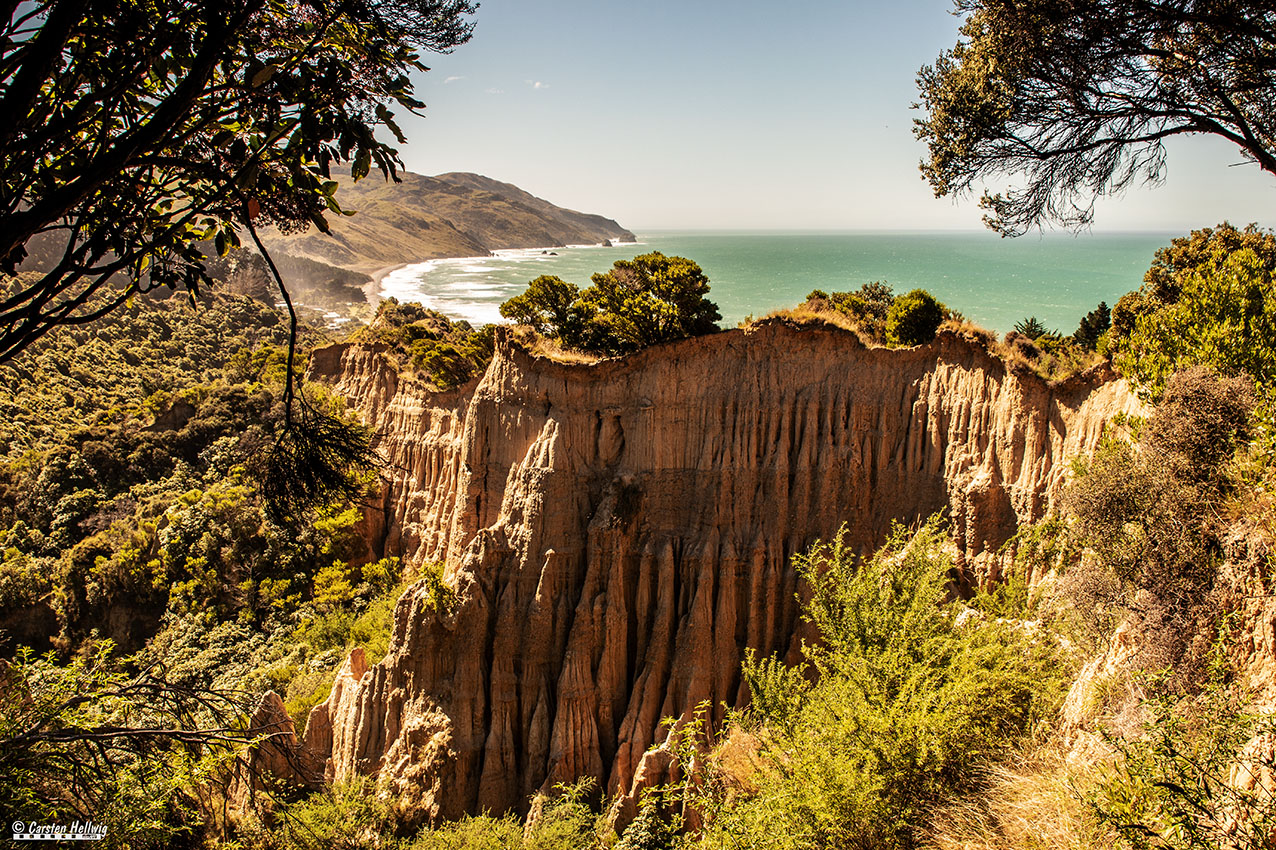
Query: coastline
[372,289]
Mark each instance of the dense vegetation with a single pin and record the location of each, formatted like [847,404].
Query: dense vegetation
[137,545]
[640,302]
[448,352]
[1208,299]
[881,317]
[135,135]
[912,693]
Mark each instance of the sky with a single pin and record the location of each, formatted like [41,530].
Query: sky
[710,114]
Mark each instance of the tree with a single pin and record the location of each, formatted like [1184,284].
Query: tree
[1075,100]
[914,318]
[1093,325]
[1224,317]
[135,133]
[1208,299]
[649,299]
[551,306]
[1031,327]
[137,754]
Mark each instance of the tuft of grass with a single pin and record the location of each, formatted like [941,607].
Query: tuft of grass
[1036,803]
[970,331]
[804,314]
[549,348]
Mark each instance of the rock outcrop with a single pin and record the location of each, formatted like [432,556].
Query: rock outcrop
[618,534]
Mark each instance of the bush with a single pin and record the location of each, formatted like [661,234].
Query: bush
[914,694]
[1198,778]
[914,318]
[640,302]
[1148,515]
[449,352]
[867,306]
[1209,299]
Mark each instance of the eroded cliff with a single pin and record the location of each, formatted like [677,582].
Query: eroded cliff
[618,534]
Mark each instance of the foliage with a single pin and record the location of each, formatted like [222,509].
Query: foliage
[138,363]
[450,352]
[1198,776]
[317,457]
[1048,354]
[1074,100]
[1208,299]
[1148,516]
[914,318]
[1031,327]
[1093,326]
[83,741]
[867,306]
[913,694]
[552,307]
[345,816]
[353,816]
[140,495]
[640,302]
[650,299]
[134,134]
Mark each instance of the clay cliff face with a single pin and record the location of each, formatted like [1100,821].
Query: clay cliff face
[618,534]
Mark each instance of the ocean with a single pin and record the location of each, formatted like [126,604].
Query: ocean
[993,282]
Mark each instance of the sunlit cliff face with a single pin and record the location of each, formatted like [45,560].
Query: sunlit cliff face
[619,533]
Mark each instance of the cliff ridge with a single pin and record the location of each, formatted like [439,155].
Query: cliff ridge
[618,534]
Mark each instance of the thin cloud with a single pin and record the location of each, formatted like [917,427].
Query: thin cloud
[494,91]
[453,79]
[537,84]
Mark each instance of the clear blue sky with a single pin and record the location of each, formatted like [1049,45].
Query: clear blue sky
[717,114]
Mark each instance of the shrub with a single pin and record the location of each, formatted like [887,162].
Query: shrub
[449,352]
[1148,516]
[1197,777]
[640,302]
[1199,423]
[1208,299]
[914,318]
[913,695]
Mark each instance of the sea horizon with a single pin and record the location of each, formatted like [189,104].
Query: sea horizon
[1056,276]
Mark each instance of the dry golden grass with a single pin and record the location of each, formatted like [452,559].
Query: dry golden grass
[1035,804]
[1054,365]
[803,314]
[1253,502]
[540,346]
[968,330]
[738,760]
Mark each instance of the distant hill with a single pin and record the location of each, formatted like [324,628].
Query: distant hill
[451,215]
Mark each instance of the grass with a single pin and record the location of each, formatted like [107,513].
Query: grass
[805,315]
[1037,803]
[540,346]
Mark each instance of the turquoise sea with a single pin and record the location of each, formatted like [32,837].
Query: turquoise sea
[994,282]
